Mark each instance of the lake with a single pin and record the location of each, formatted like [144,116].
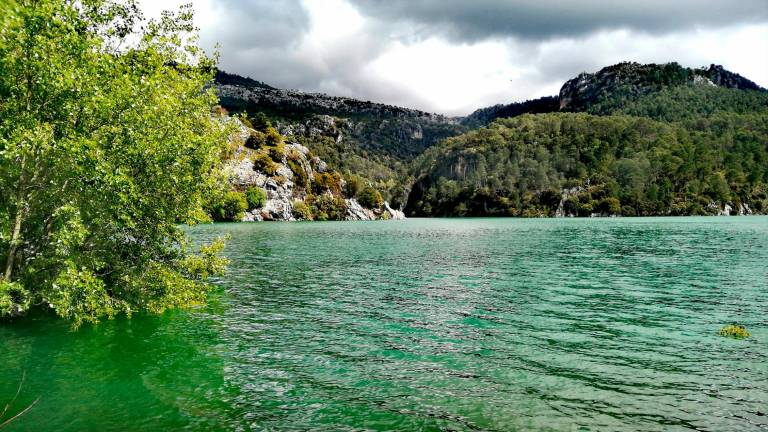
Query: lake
[428,324]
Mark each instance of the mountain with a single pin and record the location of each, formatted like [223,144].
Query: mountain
[561,164]
[371,140]
[624,86]
[224,78]
[628,140]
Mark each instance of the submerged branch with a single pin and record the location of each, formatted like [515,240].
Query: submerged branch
[10,403]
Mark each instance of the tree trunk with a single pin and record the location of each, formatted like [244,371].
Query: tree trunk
[21,208]
[15,242]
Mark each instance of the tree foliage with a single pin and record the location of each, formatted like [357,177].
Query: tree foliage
[230,207]
[107,141]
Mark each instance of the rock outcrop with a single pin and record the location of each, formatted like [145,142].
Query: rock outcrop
[356,212]
[564,195]
[292,171]
[393,214]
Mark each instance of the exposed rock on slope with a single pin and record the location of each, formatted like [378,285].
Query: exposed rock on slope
[371,140]
[291,176]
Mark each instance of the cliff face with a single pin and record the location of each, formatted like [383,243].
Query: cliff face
[290,178]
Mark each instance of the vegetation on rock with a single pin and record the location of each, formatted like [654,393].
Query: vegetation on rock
[710,115]
[256,198]
[301,211]
[734,331]
[327,207]
[370,197]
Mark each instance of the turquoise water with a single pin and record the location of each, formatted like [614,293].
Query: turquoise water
[481,324]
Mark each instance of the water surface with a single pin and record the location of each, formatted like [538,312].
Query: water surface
[477,324]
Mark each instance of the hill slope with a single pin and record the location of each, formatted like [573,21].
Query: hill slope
[579,164]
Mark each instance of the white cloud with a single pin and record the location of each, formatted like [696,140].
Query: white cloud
[334,48]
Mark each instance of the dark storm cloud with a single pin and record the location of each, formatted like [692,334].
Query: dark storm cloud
[260,24]
[470,21]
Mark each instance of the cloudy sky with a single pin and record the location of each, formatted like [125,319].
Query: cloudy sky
[453,56]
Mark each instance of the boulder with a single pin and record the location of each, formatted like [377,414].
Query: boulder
[357,212]
[393,214]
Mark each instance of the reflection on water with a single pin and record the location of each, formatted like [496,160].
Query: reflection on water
[430,325]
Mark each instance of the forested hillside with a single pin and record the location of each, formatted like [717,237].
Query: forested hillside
[628,140]
[581,164]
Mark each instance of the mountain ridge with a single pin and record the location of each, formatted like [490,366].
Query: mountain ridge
[630,78]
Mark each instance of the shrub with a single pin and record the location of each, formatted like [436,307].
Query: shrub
[327,181]
[302,211]
[264,164]
[256,140]
[272,137]
[734,331]
[260,122]
[586,209]
[328,207]
[571,206]
[276,153]
[354,185]
[300,176]
[231,207]
[256,198]
[370,198]
[247,123]
[294,155]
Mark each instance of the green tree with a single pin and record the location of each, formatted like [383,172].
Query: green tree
[718,187]
[302,211]
[260,122]
[610,206]
[107,141]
